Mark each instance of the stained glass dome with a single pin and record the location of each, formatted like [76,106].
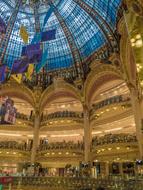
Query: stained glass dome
[86,30]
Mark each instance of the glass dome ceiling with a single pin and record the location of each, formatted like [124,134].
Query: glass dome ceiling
[86,32]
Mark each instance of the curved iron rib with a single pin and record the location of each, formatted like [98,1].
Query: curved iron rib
[97,17]
[74,49]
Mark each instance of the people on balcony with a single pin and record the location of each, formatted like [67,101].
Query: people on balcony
[113,138]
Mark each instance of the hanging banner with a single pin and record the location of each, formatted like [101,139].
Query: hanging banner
[20,66]
[33,52]
[3,69]
[43,62]
[24,34]
[17,77]
[29,72]
[8,112]
[50,11]
[48,35]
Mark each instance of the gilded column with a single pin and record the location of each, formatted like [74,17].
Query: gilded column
[35,136]
[87,135]
[137,110]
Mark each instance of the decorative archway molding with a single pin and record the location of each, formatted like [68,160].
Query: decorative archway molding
[14,89]
[99,75]
[57,90]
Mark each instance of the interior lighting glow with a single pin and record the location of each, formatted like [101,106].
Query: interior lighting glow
[43,136]
[116,129]
[29,135]
[132,40]
[63,106]
[139,43]
[118,148]
[68,135]
[138,36]
[96,132]
[14,135]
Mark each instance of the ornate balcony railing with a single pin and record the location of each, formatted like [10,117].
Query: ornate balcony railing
[24,117]
[13,145]
[63,114]
[78,183]
[113,138]
[112,100]
[62,145]
[71,146]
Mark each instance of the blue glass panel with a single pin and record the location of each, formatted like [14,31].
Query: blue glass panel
[86,33]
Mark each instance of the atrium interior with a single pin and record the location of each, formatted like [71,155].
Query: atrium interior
[71,94]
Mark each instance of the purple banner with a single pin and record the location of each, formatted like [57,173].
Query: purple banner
[48,35]
[33,52]
[33,47]
[23,53]
[2,73]
[34,56]
[20,66]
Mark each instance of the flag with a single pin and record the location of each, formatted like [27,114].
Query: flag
[48,35]
[3,69]
[32,52]
[47,16]
[29,71]
[43,61]
[36,38]
[19,66]
[23,53]
[17,77]
[24,34]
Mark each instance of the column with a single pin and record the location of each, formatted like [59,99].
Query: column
[35,137]
[87,135]
[121,168]
[107,168]
[137,110]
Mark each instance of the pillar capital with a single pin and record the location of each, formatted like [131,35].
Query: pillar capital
[136,6]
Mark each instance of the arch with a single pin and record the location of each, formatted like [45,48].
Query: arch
[19,91]
[99,76]
[64,90]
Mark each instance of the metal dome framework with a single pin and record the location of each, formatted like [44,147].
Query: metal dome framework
[82,28]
